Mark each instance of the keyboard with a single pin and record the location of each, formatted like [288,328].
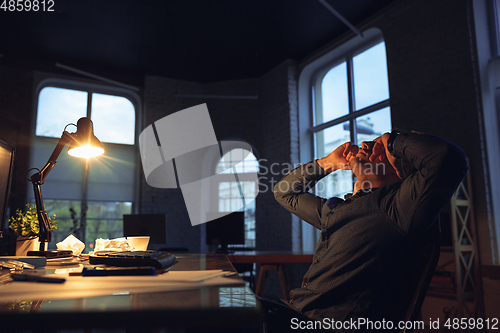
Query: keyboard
[157,259]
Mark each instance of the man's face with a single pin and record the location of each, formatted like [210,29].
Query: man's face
[365,151]
[360,161]
[361,154]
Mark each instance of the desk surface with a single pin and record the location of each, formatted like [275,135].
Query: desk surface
[212,306]
[270,257]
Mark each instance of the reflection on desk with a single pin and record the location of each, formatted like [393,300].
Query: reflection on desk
[220,305]
[271,261]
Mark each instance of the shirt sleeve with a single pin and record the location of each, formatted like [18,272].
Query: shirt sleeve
[439,167]
[292,192]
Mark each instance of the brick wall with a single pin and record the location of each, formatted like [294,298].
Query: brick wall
[263,122]
[432,78]
[16,103]
[268,124]
[434,89]
[278,107]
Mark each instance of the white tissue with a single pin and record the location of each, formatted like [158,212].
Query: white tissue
[71,243]
[117,244]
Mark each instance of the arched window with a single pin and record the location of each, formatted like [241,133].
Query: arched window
[89,197]
[351,103]
[343,96]
[240,162]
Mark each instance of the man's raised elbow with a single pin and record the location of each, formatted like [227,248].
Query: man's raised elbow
[278,195]
[455,160]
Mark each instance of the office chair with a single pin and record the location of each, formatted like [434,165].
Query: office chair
[414,289]
[273,308]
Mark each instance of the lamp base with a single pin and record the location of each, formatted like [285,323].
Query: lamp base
[51,254]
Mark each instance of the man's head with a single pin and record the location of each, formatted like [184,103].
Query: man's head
[362,167]
[375,171]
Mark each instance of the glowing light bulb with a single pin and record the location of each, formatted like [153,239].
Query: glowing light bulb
[85,151]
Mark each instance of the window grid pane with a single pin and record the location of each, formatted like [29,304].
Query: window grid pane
[330,138]
[58,107]
[373,125]
[243,160]
[104,219]
[113,118]
[338,183]
[371,84]
[334,95]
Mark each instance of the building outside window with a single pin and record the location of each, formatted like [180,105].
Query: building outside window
[240,162]
[89,197]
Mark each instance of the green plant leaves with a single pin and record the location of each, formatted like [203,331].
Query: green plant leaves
[25,224]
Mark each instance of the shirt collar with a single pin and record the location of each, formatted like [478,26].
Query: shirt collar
[360,193]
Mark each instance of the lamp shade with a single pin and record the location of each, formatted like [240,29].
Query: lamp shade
[84,143]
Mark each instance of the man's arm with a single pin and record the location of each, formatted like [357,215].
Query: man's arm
[440,167]
[292,191]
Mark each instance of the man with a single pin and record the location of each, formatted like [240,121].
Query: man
[403,181]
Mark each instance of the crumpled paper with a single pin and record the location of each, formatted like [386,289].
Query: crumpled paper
[71,243]
[117,244]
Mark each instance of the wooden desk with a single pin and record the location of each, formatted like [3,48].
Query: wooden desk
[271,261]
[199,309]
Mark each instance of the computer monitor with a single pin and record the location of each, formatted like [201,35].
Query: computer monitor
[152,225]
[6,166]
[226,230]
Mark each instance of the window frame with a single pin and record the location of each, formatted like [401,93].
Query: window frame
[353,113]
[90,88]
[486,20]
[318,65]
[43,80]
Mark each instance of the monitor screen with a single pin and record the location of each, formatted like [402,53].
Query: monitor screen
[152,225]
[6,163]
[226,230]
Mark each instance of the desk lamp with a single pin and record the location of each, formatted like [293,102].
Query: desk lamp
[83,143]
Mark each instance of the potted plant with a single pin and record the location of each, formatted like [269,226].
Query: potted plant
[25,226]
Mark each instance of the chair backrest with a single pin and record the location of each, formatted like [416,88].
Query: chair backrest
[426,256]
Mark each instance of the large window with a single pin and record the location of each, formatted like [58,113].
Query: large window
[89,197]
[240,162]
[350,103]
[343,95]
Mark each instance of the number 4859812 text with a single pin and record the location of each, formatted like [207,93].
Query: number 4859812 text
[27,5]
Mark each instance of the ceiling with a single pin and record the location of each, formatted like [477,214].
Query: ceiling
[197,40]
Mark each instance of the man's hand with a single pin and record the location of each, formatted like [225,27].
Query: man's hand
[380,153]
[339,158]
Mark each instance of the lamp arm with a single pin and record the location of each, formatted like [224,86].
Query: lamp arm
[45,232]
[38,179]
[63,141]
